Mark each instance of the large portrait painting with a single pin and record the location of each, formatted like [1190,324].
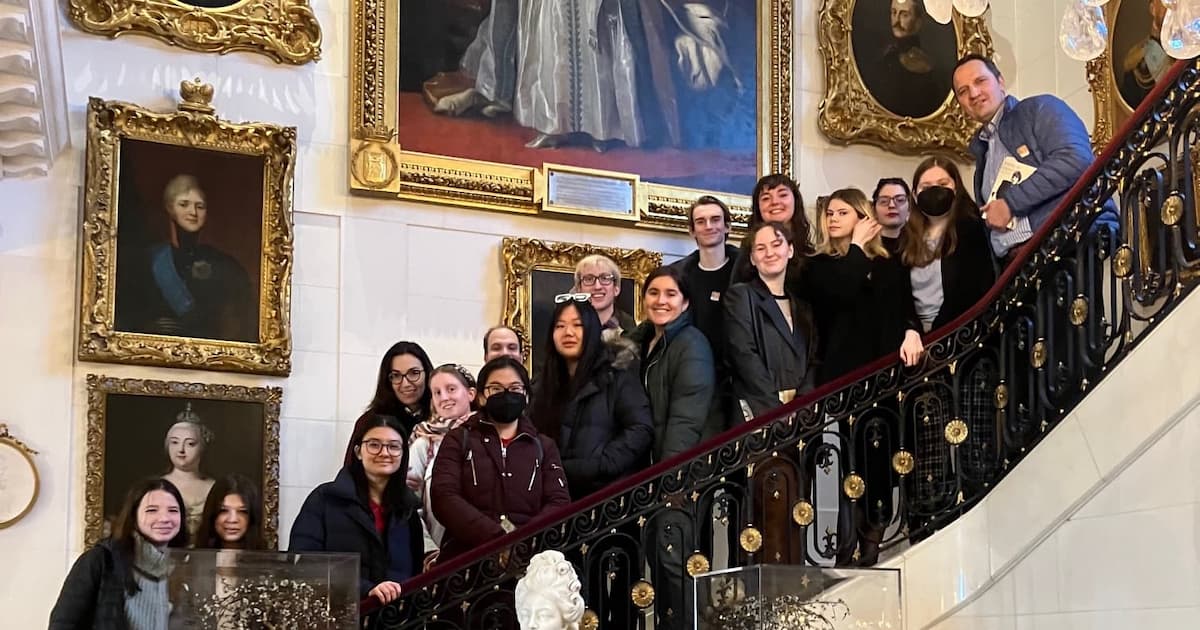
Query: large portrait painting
[536,271]
[188,250]
[191,434]
[475,97]
[285,30]
[888,69]
[1131,65]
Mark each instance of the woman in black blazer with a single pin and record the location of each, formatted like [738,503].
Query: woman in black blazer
[860,294]
[864,311]
[945,246]
[769,331]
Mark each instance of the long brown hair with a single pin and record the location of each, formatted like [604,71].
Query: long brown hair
[913,250]
[863,207]
[206,535]
[124,527]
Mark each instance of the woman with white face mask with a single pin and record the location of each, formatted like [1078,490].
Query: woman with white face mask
[453,390]
[121,582]
[496,472]
[769,330]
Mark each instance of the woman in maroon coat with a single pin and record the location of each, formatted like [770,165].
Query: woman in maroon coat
[496,472]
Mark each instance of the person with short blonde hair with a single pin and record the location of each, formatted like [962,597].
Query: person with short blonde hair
[598,275]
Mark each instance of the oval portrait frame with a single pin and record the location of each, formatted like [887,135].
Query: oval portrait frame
[9,442]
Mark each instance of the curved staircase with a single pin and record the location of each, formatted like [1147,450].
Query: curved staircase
[912,450]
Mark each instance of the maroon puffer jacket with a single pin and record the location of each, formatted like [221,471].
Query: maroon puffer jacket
[477,483]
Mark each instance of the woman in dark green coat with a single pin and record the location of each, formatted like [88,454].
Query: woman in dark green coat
[677,367]
[678,371]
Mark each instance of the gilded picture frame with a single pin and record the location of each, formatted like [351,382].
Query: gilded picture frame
[232,311]
[530,266]
[128,419]
[380,165]
[1131,23]
[850,113]
[284,30]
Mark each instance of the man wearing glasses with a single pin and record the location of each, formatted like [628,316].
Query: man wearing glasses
[598,276]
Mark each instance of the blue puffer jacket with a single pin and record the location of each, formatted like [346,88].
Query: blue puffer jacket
[1045,133]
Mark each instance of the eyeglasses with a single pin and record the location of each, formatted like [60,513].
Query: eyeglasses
[496,388]
[605,280]
[569,297]
[412,376]
[376,447]
[898,200]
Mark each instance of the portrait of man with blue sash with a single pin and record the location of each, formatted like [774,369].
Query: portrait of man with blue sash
[181,286]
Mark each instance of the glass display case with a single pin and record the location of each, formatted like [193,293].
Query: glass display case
[785,597]
[227,590]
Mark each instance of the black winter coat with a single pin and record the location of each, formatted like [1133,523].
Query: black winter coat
[335,518]
[606,430]
[93,595]
[680,381]
[764,356]
[476,481]
[862,305]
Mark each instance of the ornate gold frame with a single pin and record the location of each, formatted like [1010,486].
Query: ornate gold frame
[7,440]
[285,30]
[519,257]
[379,165]
[194,125]
[98,389]
[848,114]
[1111,110]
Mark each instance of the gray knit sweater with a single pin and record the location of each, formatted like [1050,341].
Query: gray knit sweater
[150,607]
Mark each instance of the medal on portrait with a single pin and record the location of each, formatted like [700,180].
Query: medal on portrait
[188,238]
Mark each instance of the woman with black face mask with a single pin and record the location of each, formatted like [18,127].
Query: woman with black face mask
[496,472]
[945,246]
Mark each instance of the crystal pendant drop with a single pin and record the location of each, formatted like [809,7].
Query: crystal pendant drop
[1095,3]
[939,10]
[1083,33]
[1181,29]
[971,8]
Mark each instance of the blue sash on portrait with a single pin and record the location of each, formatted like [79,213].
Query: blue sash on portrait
[166,276]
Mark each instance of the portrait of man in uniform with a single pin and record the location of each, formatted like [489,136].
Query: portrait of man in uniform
[188,242]
[903,57]
[1139,60]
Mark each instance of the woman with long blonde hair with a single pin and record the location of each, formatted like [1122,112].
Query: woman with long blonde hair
[864,310]
[861,298]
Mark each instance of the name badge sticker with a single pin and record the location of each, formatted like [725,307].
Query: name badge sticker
[715,296]
[1023,151]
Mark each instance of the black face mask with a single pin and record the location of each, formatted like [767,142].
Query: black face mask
[505,407]
[935,201]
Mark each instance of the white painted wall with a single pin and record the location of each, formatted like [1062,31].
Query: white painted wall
[368,272]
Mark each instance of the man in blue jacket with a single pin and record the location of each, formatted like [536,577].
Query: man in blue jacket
[1040,131]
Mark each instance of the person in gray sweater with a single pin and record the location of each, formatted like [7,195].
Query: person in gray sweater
[120,583]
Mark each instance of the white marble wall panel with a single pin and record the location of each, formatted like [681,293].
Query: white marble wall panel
[359,253]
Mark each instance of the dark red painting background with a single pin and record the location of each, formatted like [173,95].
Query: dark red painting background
[721,154]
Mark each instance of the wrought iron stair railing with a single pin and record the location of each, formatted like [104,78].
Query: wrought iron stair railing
[896,452]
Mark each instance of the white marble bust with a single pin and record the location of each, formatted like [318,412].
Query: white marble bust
[548,596]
